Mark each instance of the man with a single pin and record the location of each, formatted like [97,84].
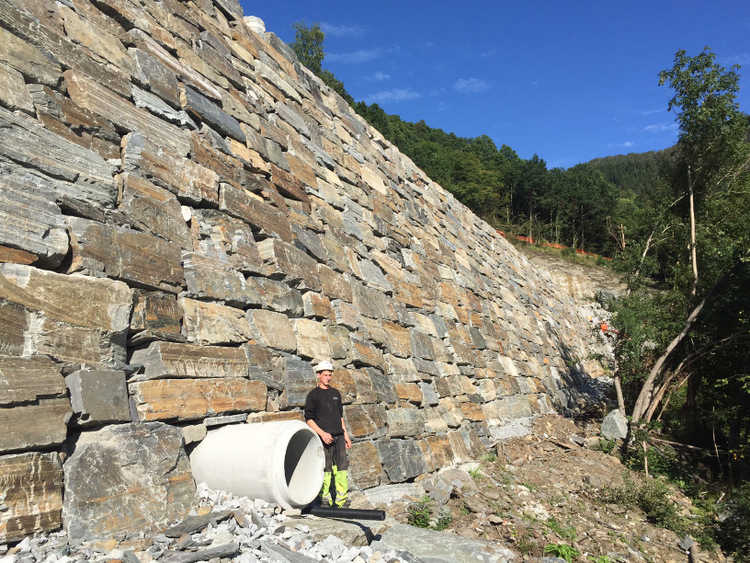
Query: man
[324,413]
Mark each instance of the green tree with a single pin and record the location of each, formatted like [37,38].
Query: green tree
[693,334]
[308,45]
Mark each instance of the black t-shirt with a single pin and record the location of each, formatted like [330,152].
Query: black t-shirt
[325,407]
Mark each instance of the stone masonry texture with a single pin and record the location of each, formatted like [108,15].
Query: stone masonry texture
[188,219]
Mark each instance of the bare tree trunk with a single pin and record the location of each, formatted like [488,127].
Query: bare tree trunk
[658,396]
[645,252]
[647,389]
[693,246]
[620,398]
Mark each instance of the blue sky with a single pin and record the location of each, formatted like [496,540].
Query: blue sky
[569,80]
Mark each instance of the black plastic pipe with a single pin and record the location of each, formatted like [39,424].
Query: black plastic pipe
[349,513]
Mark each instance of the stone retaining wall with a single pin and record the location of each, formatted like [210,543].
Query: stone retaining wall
[188,218]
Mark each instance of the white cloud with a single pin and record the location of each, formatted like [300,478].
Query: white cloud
[625,145]
[741,59]
[342,30]
[471,85]
[393,95]
[651,111]
[379,76]
[357,57]
[660,128]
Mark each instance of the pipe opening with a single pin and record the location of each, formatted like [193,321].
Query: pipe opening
[301,455]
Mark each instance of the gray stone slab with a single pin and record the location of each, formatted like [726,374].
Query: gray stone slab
[98,396]
[440,547]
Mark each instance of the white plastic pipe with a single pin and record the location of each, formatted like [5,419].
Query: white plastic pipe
[279,462]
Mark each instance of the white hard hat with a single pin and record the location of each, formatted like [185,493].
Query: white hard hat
[323,366]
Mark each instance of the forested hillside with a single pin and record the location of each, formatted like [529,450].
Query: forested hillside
[636,172]
[675,223]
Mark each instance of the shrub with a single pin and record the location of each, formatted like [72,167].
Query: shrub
[420,514]
[561,550]
[734,531]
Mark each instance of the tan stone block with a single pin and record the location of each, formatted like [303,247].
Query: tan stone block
[399,339]
[275,416]
[78,318]
[291,262]
[364,465]
[365,390]
[364,353]
[312,339]
[472,411]
[272,329]
[343,380]
[303,171]
[191,399]
[405,422]
[155,313]
[346,315]
[87,33]
[211,323]
[154,209]
[16,256]
[317,305]
[409,392]
[13,90]
[25,380]
[437,452]
[32,485]
[365,421]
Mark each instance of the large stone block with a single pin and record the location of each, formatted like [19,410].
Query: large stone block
[203,109]
[29,219]
[71,171]
[98,397]
[364,465]
[92,95]
[263,217]
[228,239]
[127,479]
[154,210]
[272,329]
[211,323]
[312,339]
[25,380]
[290,263]
[298,380]
[132,256]
[37,425]
[405,422]
[32,490]
[401,459]
[212,279]
[174,360]
[188,180]
[365,421]
[76,318]
[192,399]
[156,315]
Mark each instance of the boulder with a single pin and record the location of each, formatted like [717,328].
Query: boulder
[615,426]
[126,479]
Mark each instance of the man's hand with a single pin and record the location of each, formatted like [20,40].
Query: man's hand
[347,440]
[326,437]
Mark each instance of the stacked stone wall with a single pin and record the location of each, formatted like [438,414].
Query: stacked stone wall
[188,218]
